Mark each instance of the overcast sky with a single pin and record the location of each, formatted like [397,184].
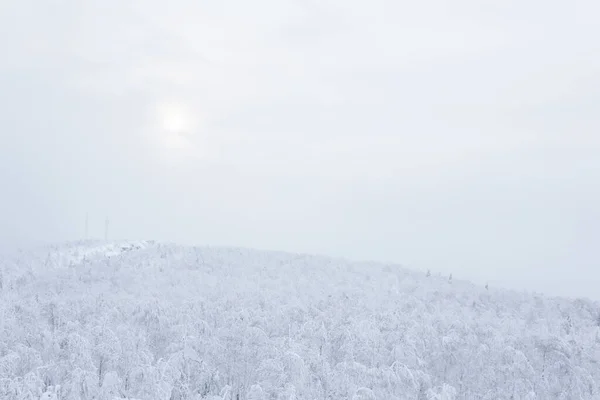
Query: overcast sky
[461,137]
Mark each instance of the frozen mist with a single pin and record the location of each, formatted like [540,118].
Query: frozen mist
[157,321]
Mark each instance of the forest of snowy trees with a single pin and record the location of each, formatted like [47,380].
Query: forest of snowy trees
[149,321]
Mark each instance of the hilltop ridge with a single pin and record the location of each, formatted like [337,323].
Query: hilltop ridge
[148,320]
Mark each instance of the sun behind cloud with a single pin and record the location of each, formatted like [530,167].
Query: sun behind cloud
[174,117]
[176,131]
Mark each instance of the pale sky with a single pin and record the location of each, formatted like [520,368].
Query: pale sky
[461,137]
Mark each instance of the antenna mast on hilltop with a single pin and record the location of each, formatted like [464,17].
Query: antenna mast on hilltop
[86,225]
[106,229]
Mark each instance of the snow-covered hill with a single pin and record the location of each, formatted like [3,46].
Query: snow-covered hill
[145,320]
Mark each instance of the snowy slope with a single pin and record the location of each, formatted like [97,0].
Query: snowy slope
[145,320]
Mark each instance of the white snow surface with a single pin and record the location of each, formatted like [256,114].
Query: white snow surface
[144,320]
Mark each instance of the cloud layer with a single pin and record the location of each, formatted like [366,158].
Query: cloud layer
[458,137]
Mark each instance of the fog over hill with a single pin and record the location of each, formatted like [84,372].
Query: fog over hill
[149,321]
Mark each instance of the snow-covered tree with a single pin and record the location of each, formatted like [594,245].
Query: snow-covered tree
[148,321]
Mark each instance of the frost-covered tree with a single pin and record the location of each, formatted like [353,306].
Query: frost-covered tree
[148,321]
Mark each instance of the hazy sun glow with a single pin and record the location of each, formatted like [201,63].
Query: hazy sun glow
[175,118]
[175,129]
